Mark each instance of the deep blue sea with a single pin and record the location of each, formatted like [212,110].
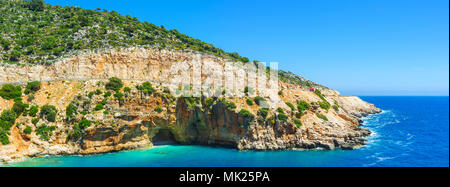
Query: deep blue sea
[412,131]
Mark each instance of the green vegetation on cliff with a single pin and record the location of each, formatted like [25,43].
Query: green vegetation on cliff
[7,120]
[71,111]
[33,111]
[44,131]
[249,102]
[76,133]
[321,116]
[324,104]
[113,84]
[32,87]
[246,114]
[281,115]
[146,88]
[297,123]
[8,91]
[302,106]
[27,130]
[291,106]
[35,32]
[49,112]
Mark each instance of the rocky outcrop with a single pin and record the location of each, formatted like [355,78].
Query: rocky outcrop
[209,119]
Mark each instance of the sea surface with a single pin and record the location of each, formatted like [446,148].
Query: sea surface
[411,131]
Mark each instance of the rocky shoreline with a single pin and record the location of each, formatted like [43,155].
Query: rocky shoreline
[133,120]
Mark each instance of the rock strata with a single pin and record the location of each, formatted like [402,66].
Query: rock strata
[134,120]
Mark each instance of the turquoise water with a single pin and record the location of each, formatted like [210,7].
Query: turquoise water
[412,131]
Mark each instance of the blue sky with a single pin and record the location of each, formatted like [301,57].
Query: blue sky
[359,47]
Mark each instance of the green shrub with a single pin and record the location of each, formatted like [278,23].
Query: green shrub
[32,87]
[191,102]
[35,121]
[49,112]
[84,123]
[77,131]
[297,123]
[302,105]
[98,107]
[324,105]
[263,112]
[166,90]
[44,131]
[336,108]
[33,111]
[321,116]
[71,111]
[86,103]
[282,117]
[4,139]
[290,105]
[146,88]
[30,97]
[259,100]
[107,94]
[27,130]
[249,102]
[246,114]
[19,108]
[7,120]
[8,91]
[106,112]
[231,105]
[280,110]
[336,103]
[127,89]
[36,5]
[17,99]
[318,93]
[119,96]
[8,116]
[271,120]
[91,94]
[98,92]
[209,102]
[158,109]
[114,84]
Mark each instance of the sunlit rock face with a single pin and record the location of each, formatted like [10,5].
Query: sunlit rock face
[198,99]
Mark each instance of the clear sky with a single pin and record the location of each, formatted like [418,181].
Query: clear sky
[359,47]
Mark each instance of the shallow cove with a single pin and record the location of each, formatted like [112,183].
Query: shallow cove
[405,134]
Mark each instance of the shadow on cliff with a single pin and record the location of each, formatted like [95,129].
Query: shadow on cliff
[164,137]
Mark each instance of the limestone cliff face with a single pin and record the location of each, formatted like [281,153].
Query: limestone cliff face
[209,119]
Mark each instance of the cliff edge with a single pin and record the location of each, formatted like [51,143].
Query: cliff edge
[171,96]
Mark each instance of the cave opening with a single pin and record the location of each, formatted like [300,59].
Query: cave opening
[164,137]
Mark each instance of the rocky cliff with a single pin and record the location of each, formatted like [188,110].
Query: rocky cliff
[177,96]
